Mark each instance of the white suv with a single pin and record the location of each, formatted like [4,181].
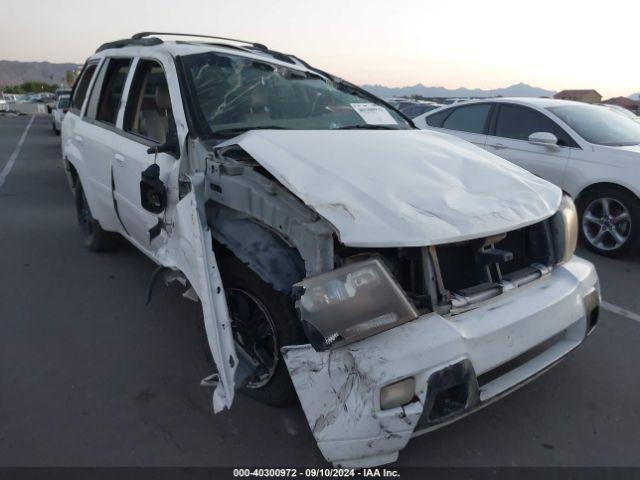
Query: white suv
[590,152]
[395,280]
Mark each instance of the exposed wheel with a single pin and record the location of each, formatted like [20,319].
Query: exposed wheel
[95,238]
[263,320]
[610,221]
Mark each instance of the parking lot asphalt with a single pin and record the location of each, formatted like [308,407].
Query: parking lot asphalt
[90,376]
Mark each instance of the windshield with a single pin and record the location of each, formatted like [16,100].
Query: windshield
[622,111]
[234,94]
[599,125]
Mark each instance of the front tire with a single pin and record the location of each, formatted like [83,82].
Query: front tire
[263,320]
[95,238]
[610,221]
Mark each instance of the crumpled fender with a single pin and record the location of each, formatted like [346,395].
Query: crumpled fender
[189,249]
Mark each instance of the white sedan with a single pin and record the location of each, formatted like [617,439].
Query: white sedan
[58,112]
[592,153]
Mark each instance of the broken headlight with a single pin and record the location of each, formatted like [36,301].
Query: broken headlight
[351,303]
[565,230]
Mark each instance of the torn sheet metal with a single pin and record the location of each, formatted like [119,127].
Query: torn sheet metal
[402,188]
[189,249]
[340,389]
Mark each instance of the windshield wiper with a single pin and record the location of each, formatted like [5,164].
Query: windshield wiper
[238,130]
[366,127]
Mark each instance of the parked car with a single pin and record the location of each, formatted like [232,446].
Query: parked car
[419,108]
[395,279]
[622,111]
[588,151]
[62,91]
[58,112]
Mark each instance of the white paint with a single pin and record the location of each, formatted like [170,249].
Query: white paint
[402,188]
[12,159]
[572,169]
[620,311]
[340,389]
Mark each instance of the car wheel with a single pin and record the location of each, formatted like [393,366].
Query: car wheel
[262,320]
[610,221]
[95,238]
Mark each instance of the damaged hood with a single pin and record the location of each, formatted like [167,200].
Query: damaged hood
[401,188]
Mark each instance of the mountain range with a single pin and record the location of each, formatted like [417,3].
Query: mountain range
[15,73]
[517,90]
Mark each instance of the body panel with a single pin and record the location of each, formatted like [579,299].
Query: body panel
[339,389]
[402,188]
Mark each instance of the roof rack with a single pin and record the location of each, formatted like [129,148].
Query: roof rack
[128,42]
[142,35]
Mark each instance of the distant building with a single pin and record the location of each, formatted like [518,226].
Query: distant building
[633,105]
[587,96]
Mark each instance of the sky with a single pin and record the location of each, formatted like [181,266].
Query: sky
[476,44]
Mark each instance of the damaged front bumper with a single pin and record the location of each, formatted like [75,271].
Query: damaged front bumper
[459,364]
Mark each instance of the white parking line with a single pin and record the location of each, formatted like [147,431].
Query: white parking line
[12,159]
[620,311]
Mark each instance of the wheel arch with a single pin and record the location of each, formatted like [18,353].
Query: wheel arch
[261,248]
[599,186]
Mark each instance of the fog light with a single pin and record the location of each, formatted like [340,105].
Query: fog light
[397,394]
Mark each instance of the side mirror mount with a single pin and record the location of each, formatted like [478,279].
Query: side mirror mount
[153,192]
[544,139]
[171,144]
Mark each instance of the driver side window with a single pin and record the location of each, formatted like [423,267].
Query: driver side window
[148,113]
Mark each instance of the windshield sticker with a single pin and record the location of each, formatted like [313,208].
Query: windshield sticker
[374,114]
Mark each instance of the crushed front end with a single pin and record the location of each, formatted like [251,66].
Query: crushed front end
[404,341]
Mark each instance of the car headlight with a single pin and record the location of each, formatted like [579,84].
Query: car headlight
[565,230]
[351,303]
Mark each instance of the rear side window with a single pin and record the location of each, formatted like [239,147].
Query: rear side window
[82,85]
[471,118]
[111,92]
[437,119]
[148,113]
[519,122]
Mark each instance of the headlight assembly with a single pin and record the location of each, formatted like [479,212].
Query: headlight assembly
[352,303]
[565,230]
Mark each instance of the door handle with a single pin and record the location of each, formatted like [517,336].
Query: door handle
[119,158]
[499,146]
[79,140]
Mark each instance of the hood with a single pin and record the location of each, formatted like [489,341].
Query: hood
[401,188]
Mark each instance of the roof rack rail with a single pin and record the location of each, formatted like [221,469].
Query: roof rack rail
[142,35]
[129,42]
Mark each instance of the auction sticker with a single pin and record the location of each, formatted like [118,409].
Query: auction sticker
[374,114]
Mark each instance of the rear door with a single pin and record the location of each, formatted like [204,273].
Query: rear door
[509,138]
[99,135]
[469,122]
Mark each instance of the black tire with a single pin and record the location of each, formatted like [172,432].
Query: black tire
[95,238]
[238,277]
[618,200]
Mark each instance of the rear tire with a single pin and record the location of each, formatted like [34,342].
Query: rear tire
[251,298]
[610,221]
[95,238]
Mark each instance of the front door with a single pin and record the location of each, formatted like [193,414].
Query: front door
[510,140]
[148,116]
